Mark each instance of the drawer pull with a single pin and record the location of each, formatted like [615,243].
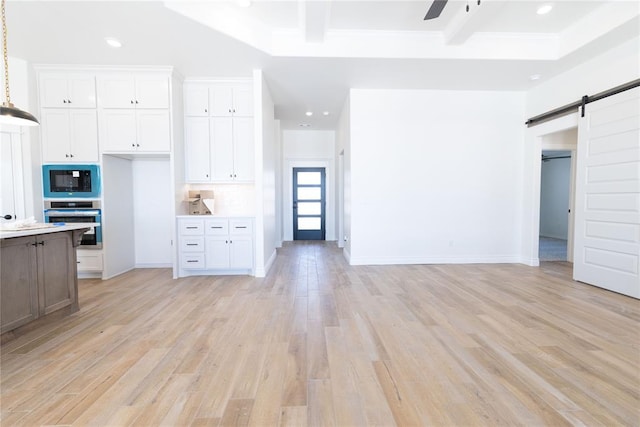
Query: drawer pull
[192,260]
[241,226]
[192,244]
[192,228]
[216,226]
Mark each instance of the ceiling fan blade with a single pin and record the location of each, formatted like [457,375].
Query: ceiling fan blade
[436,9]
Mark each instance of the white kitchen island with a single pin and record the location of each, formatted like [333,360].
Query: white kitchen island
[38,275]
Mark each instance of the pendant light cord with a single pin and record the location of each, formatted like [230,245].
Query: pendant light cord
[4,54]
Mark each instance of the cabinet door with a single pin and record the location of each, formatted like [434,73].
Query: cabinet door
[152,92]
[56,275]
[118,130]
[222,148]
[89,260]
[18,282]
[116,91]
[242,101]
[83,128]
[241,252]
[243,151]
[53,90]
[154,130]
[55,135]
[216,252]
[196,100]
[82,91]
[197,154]
[221,100]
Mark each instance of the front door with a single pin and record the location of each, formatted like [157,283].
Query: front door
[607,241]
[308,204]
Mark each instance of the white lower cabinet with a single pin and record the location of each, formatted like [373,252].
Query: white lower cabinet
[209,245]
[89,260]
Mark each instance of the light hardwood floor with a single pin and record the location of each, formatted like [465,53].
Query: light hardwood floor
[320,343]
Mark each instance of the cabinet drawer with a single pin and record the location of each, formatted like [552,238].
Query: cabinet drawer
[217,227]
[192,261]
[241,226]
[191,227]
[192,244]
[88,261]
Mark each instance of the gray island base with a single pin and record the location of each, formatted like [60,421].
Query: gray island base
[38,277]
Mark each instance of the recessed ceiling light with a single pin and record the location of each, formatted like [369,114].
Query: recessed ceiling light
[244,3]
[325,113]
[113,42]
[544,9]
[534,77]
[309,113]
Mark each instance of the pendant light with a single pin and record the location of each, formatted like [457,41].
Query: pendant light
[9,114]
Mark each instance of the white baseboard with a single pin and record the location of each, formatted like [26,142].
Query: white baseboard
[153,265]
[432,260]
[262,272]
[347,255]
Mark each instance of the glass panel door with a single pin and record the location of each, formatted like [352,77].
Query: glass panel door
[308,204]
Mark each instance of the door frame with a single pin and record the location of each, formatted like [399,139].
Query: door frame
[531,192]
[287,199]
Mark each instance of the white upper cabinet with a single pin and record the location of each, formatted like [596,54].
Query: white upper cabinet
[68,115]
[196,99]
[134,114]
[67,90]
[133,91]
[218,131]
[218,99]
[197,150]
[69,135]
[125,131]
[231,100]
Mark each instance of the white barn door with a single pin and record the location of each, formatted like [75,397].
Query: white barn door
[607,220]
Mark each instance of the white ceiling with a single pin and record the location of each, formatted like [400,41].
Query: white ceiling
[313,51]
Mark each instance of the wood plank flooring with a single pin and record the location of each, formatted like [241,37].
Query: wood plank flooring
[320,343]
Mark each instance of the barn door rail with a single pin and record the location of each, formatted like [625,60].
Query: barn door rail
[582,103]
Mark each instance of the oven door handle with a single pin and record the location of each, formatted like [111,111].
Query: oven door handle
[72,213]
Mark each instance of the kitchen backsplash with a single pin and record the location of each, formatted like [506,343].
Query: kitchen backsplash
[231,199]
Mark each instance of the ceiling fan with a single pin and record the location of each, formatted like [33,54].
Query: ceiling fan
[436,9]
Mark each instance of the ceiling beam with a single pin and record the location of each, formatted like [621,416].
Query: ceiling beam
[314,19]
[464,24]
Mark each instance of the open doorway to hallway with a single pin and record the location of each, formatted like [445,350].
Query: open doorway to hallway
[555,205]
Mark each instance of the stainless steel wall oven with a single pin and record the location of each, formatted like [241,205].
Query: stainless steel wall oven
[78,211]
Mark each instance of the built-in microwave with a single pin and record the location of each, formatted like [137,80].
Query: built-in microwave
[71,181]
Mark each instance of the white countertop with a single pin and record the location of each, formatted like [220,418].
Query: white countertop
[41,228]
[225,215]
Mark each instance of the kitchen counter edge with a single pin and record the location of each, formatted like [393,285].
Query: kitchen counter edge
[5,234]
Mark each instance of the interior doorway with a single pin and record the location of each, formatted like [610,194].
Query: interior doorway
[309,203]
[557,195]
[12,201]
[555,205]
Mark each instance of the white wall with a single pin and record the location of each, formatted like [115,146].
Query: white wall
[554,195]
[266,161]
[437,180]
[343,147]
[153,212]
[619,65]
[308,148]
